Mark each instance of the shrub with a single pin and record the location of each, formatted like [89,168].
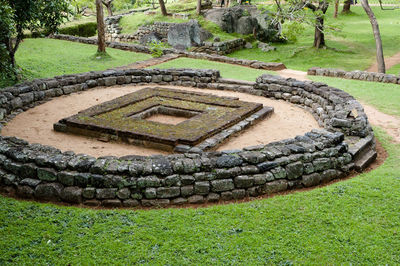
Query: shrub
[156,48]
[82,30]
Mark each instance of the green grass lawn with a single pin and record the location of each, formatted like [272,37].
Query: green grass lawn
[354,47]
[386,97]
[42,58]
[226,70]
[394,70]
[351,222]
[355,221]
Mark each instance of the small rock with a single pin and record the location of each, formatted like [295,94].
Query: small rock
[248,45]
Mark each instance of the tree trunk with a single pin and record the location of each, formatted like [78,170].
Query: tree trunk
[198,9]
[346,6]
[101,43]
[336,9]
[319,36]
[377,35]
[109,10]
[162,7]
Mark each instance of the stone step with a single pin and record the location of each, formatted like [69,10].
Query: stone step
[363,161]
[361,146]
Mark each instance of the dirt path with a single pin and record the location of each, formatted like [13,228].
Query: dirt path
[150,62]
[296,74]
[389,62]
[390,123]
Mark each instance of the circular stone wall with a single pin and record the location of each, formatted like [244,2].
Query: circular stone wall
[36,124]
[46,173]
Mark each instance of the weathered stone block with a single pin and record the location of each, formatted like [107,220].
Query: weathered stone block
[222,185]
[279,172]
[196,199]
[47,174]
[187,191]
[129,203]
[111,203]
[202,188]
[72,194]
[106,193]
[124,193]
[294,170]
[150,193]
[148,181]
[275,186]
[244,181]
[89,192]
[311,180]
[168,192]
[238,194]
[48,191]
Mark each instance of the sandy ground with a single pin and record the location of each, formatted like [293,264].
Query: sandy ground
[36,124]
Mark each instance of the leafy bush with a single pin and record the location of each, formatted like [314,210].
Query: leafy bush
[292,29]
[7,71]
[156,48]
[82,30]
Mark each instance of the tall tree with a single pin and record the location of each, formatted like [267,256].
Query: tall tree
[346,6]
[319,11]
[377,35]
[198,8]
[32,15]
[108,4]
[7,71]
[335,13]
[162,7]
[101,36]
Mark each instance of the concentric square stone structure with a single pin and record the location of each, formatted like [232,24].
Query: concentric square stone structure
[127,118]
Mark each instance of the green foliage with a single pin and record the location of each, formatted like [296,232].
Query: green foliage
[123,4]
[354,48]
[83,30]
[7,72]
[79,5]
[18,16]
[41,14]
[156,48]
[292,29]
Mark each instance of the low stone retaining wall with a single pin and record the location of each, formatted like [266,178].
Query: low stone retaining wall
[112,23]
[144,49]
[221,48]
[161,28]
[357,74]
[45,173]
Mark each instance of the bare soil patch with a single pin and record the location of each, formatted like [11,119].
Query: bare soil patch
[36,124]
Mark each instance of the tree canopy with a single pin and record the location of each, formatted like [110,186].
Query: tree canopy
[17,16]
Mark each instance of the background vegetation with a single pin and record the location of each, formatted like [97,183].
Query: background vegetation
[40,58]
